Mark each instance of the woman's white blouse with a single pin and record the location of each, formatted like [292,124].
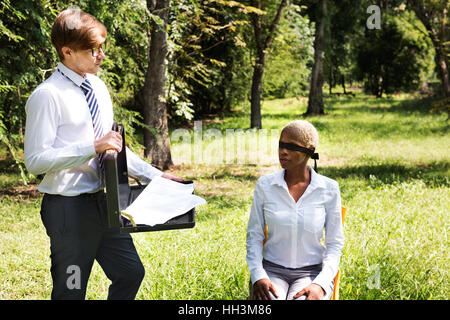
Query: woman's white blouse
[295,229]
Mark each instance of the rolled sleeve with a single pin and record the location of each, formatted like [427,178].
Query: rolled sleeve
[141,169]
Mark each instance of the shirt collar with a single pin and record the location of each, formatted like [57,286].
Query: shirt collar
[317,180]
[278,178]
[72,75]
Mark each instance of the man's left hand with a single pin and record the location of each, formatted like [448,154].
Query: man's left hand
[171,177]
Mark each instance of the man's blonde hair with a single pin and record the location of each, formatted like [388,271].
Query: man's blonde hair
[303,132]
[76,29]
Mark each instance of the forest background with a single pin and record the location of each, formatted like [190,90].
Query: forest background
[370,75]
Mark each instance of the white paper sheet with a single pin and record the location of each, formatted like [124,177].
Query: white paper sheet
[162,200]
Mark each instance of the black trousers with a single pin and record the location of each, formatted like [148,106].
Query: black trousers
[78,231]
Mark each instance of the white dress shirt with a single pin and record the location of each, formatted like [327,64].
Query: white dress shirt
[59,136]
[295,229]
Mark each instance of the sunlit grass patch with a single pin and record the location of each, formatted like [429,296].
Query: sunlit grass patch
[390,157]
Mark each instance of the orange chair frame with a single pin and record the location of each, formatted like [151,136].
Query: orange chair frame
[337,277]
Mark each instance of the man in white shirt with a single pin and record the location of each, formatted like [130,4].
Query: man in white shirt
[68,128]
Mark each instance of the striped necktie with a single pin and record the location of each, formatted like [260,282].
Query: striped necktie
[95,114]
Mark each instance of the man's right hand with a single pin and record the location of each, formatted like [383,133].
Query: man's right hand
[111,140]
[262,289]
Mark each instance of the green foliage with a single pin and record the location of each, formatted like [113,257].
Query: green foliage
[344,21]
[287,71]
[125,65]
[397,57]
[27,58]
[207,58]
[12,150]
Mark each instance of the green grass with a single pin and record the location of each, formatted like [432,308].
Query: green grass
[390,157]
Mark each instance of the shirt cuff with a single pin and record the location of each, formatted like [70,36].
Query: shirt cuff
[258,274]
[325,284]
[155,173]
[141,169]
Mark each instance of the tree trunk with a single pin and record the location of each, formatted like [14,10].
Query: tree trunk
[443,72]
[380,86]
[262,44]
[343,83]
[440,57]
[438,36]
[441,63]
[315,101]
[258,71]
[156,140]
[330,81]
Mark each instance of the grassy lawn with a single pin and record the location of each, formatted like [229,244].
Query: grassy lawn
[390,157]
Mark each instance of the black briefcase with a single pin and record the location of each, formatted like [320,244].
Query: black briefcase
[120,194]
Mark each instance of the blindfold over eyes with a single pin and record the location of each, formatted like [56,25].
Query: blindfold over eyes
[294,147]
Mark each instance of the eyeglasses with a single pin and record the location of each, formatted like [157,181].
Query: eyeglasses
[96,50]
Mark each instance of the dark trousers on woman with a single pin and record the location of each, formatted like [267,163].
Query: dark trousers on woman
[79,234]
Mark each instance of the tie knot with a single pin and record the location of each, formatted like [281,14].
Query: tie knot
[86,86]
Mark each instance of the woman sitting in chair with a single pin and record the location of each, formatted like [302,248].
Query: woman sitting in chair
[287,260]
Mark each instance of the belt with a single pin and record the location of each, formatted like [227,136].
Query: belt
[305,268]
[91,195]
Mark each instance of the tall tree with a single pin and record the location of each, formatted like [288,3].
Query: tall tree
[288,64]
[433,15]
[395,57]
[156,135]
[345,20]
[208,70]
[315,100]
[264,34]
